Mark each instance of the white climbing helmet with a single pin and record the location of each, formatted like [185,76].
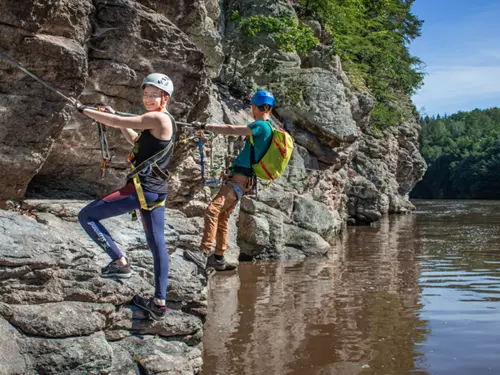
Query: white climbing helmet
[160,81]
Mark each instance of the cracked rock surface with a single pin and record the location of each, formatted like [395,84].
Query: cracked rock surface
[58,316]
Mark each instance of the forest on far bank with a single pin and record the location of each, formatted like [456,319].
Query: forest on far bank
[462,151]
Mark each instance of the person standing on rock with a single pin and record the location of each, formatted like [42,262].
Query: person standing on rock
[239,181]
[146,187]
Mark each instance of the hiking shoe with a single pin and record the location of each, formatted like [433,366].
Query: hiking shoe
[220,264]
[197,257]
[147,304]
[115,270]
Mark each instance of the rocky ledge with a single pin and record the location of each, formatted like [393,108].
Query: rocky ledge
[57,316]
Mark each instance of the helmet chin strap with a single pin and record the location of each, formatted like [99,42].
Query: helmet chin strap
[268,112]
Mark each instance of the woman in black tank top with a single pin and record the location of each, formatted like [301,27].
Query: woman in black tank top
[146,187]
[146,146]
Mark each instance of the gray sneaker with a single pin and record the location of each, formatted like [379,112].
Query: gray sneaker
[115,270]
[197,257]
[147,304]
[220,264]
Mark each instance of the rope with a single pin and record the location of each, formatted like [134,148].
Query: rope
[103,144]
[204,181]
[103,141]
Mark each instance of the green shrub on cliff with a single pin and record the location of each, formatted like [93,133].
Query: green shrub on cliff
[289,34]
[370,36]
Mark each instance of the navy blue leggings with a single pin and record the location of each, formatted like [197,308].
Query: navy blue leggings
[120,202]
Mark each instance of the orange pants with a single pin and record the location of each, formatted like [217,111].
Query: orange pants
[218,213]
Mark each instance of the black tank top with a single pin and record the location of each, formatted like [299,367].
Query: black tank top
[147,146]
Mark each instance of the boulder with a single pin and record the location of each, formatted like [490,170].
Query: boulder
[48,41]
[12,362]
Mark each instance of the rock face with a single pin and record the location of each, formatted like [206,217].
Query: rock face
[47,40]
[103,49]
[339,165]
[56,314]
[388,167]
[128,41]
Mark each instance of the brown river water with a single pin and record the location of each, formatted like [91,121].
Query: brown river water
[414,294]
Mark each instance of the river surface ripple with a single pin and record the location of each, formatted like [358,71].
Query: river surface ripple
[414,294]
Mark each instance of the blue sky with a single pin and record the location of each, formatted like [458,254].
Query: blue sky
[460,45]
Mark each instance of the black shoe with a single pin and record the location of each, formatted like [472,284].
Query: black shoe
[115,270]
[220,264]
[147,304]
[197,257]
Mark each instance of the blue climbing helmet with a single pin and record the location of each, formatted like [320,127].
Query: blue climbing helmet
[262,97]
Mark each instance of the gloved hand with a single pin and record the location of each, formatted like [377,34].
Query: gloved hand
[199,125]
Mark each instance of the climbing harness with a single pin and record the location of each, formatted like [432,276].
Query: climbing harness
[149,167]
[204,181]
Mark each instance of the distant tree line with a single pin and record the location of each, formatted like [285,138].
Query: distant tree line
[463,156]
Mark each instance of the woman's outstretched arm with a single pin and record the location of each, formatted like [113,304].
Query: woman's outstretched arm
[150,120]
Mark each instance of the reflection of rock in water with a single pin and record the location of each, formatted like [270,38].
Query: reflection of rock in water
[223,313]
[322,316]
[341,368]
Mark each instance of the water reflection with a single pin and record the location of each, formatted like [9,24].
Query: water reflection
[356,312]
[460,283]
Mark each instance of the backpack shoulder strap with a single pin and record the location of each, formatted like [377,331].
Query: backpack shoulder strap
[252,151]
[271,124]
[250,138]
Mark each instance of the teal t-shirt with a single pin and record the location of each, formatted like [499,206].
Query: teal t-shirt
[262,137]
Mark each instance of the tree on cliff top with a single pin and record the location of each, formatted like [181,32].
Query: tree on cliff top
[372,38]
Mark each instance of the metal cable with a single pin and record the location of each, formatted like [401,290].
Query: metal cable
[21,67]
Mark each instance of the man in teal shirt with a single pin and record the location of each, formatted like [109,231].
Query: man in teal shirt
[262,135]
[240,180]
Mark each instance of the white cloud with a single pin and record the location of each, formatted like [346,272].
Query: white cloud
[447,88]
[462,54]
[490,53]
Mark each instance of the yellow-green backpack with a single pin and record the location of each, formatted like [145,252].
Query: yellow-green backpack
[277,156]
